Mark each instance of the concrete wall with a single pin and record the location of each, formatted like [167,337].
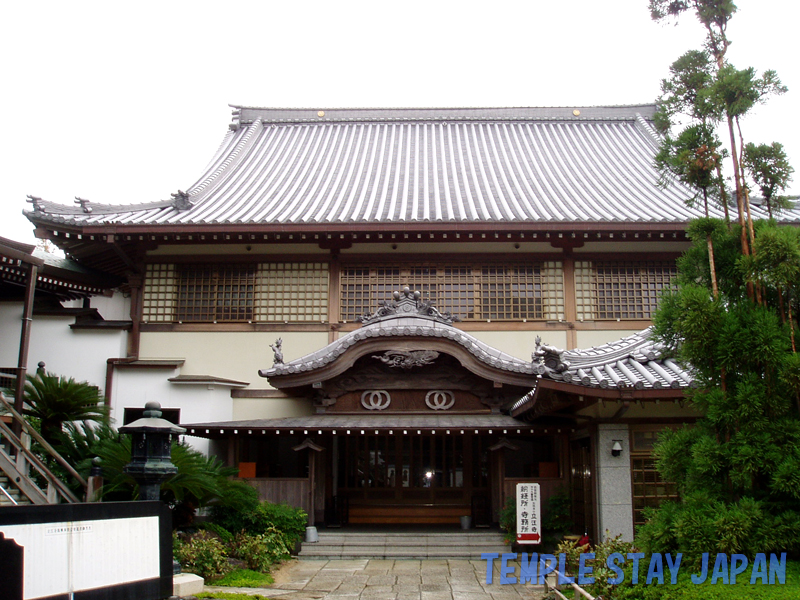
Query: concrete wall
[613,483]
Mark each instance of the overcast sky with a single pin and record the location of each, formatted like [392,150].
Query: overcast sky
[127,102]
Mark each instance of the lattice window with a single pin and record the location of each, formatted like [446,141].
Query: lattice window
[479,292]
[293,292]
[621,290]
[216,292]
[650,490]
[159,294]
[268,292]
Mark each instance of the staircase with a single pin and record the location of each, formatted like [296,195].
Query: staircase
[9,494]
[18,485]
[407,543]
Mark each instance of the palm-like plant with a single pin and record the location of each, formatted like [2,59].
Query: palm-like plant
[57,400]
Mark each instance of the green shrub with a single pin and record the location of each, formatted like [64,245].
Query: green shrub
[225,536]
[289,521]
[241,500]
[261,551]
[508,520]
[202,554]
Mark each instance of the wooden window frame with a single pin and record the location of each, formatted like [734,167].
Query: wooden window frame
[648,489]
[621,290]
[518,291]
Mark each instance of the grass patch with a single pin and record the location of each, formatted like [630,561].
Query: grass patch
[245,578]
[230,596]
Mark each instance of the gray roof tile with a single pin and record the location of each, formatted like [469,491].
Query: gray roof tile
[291,166]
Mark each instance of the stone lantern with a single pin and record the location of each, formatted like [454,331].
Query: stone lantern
[151,451]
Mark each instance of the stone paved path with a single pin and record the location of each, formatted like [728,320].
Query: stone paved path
[389,580]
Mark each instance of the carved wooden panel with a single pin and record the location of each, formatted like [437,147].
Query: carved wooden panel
[410,400]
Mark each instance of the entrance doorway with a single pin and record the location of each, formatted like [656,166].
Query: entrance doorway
[432,479]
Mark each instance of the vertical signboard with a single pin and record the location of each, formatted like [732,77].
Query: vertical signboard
[528,513]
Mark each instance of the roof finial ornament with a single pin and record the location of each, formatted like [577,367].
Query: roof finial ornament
[406,304]
[38,204]
[277,350]
[84,204]
[181,200]
[548,358]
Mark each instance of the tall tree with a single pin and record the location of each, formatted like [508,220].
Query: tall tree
[769,167]
[730,94]
[738,467]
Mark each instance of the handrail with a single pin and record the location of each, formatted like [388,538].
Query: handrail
[50,450]
[574,585]
[36,462]
[14,502]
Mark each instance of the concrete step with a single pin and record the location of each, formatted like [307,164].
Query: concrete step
[465,545]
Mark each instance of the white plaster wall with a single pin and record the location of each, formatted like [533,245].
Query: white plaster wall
[80,354]
[613,481]
[10,328]
[134,387]
[232,355]
[113,308]
[521,344]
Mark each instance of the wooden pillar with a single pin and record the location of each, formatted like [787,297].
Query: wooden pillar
[570,302]
[334,296]
[313,449]
[498,474]
[24,343]
[136,283]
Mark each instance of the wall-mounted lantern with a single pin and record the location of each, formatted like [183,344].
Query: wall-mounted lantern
[151,451]
[616,448]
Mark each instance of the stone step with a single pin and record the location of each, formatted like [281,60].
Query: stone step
[398,545]
[397,552]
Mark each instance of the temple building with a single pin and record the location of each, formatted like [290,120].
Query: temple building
[394,315]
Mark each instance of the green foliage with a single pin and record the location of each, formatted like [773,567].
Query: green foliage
[770,169]
[57,400]
[693,158]
[557,513]
[601,572]
[288,520]
[508,520]
[261,551]
[225,536]
[556,518]
[245,578]
[202,554]
[737,468]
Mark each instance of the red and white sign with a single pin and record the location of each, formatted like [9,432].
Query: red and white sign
[529,513]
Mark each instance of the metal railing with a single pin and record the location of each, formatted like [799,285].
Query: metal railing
[17,464]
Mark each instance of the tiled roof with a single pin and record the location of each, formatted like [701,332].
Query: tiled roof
[402,327]
[633,362]
[301,166]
